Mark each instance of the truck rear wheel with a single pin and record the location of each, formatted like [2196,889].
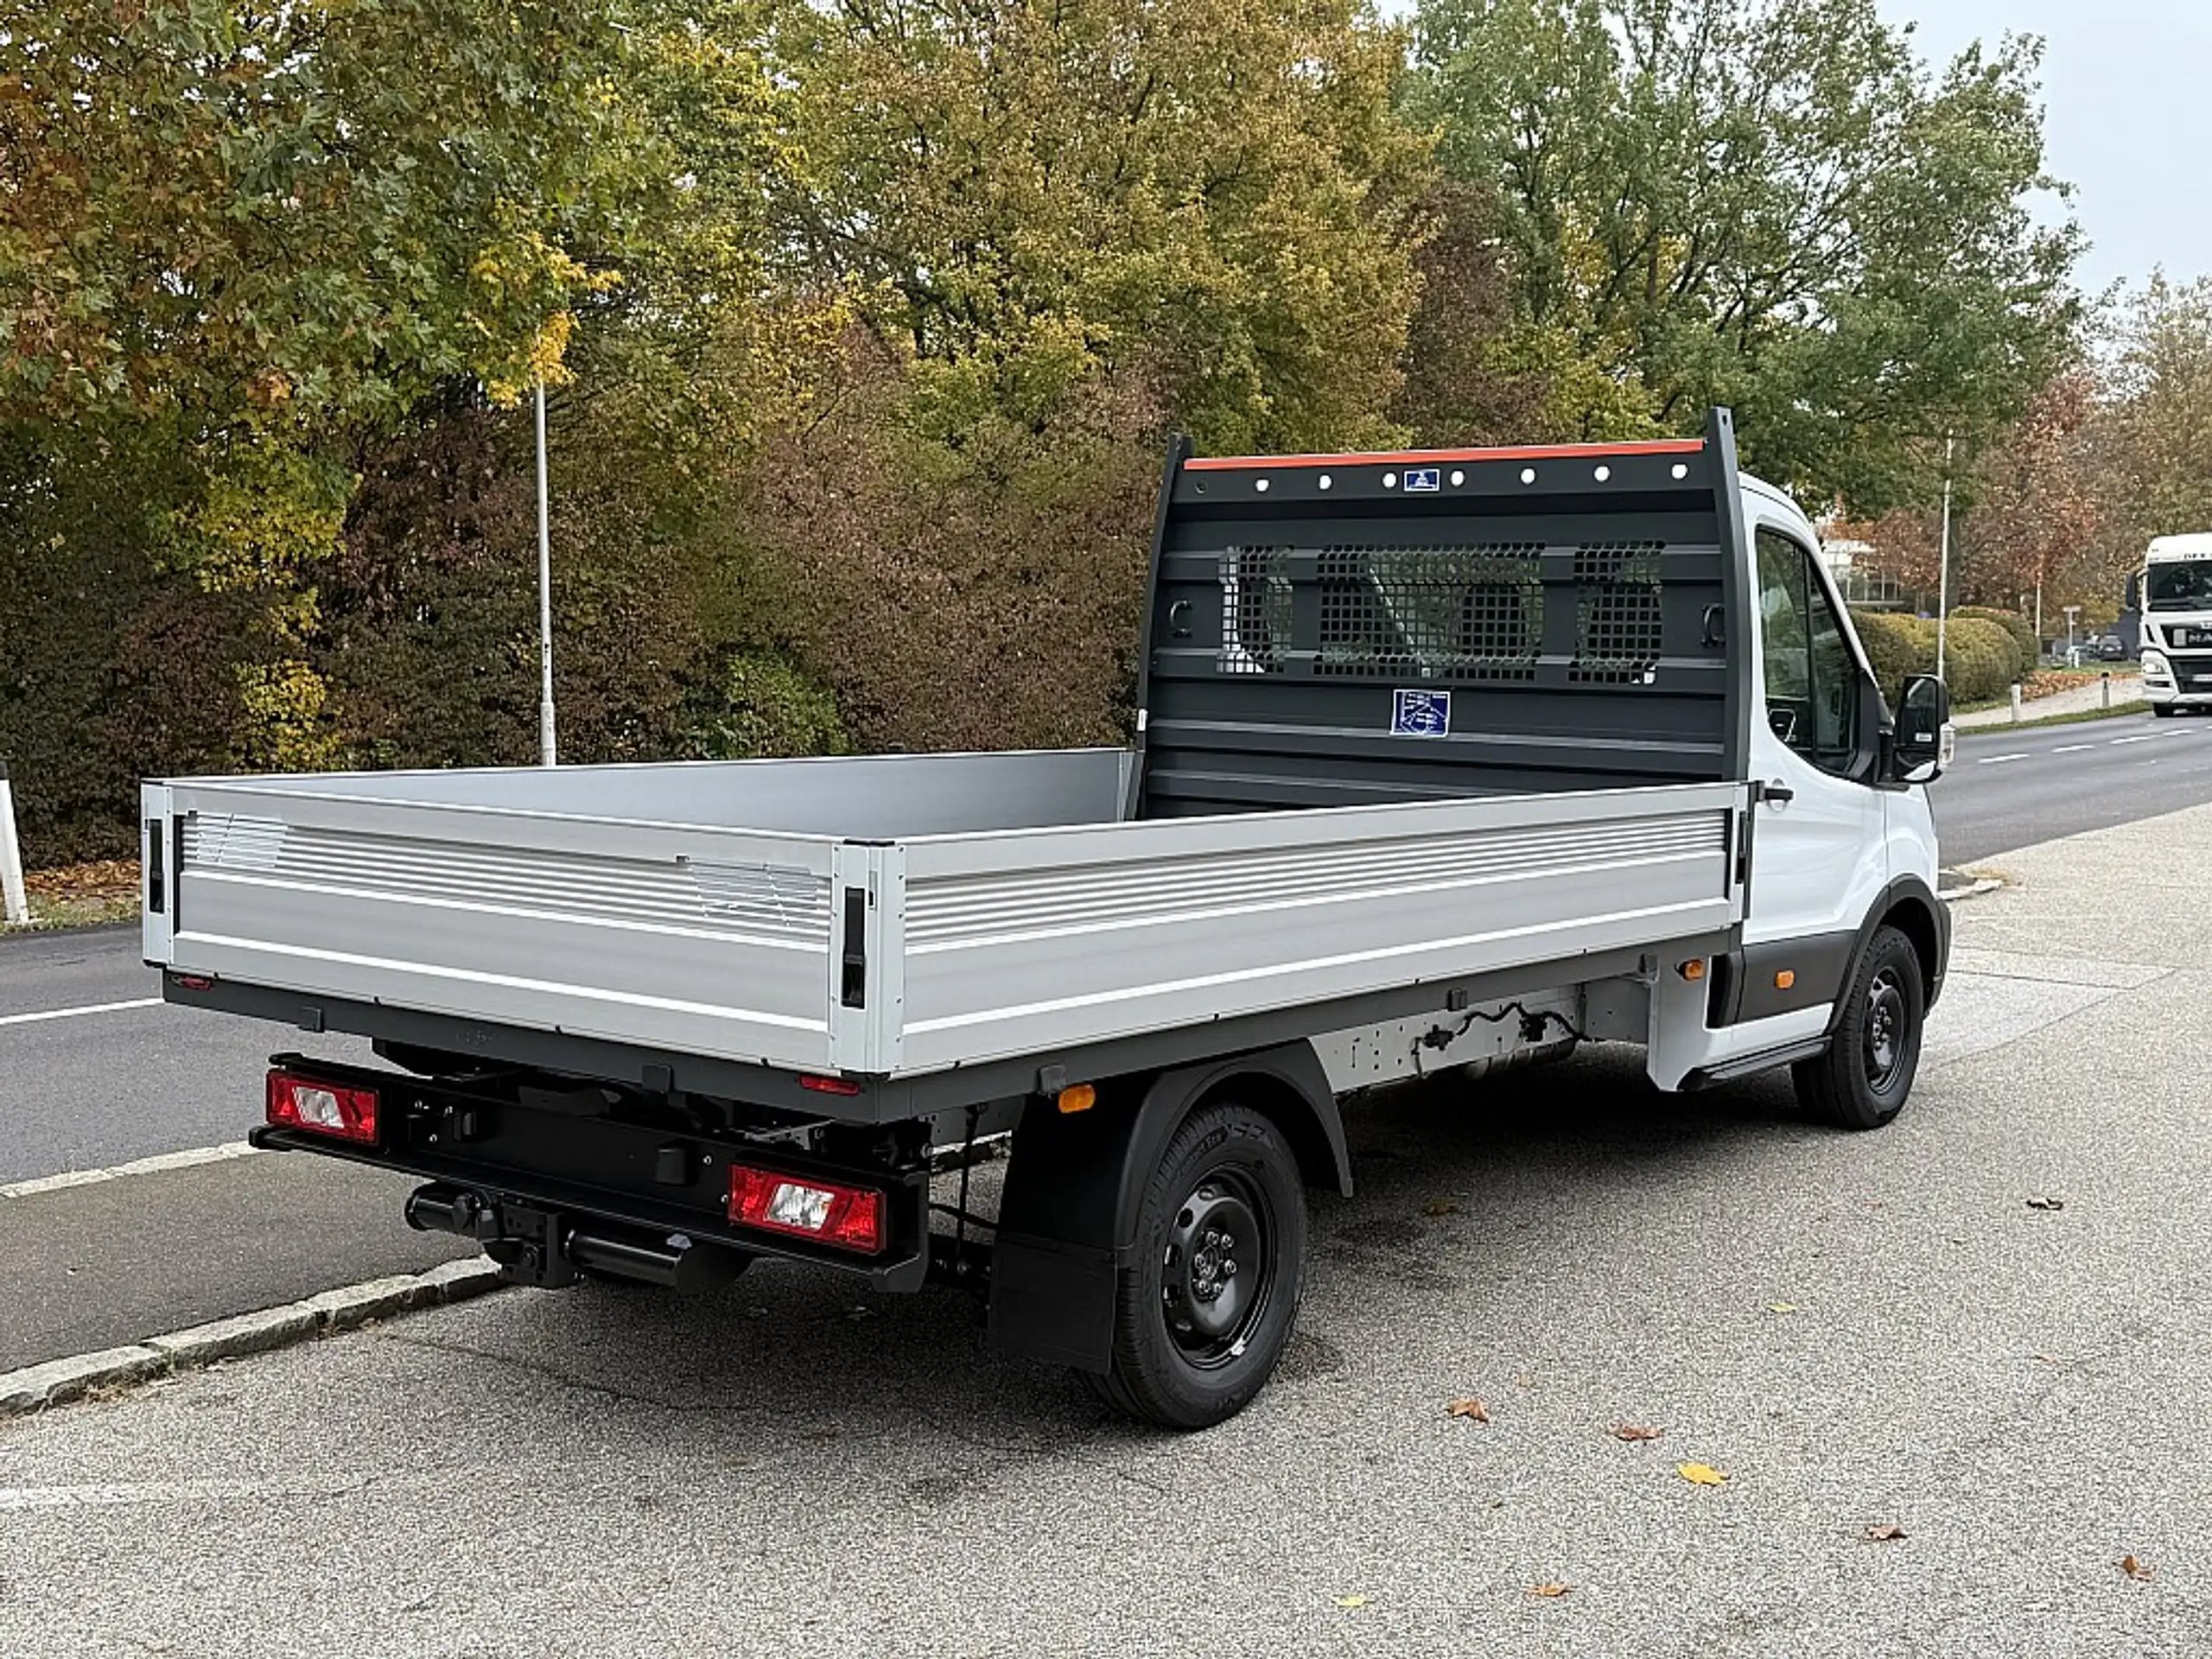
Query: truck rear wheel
[1203,1312]
[1862,1080]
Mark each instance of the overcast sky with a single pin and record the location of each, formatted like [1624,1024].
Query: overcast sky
[2127,86]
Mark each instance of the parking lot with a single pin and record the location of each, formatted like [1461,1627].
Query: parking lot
[1986,1327]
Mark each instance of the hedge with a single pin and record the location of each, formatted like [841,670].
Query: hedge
[1982,659]
[2028,649]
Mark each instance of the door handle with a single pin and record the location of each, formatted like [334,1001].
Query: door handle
[1780,794]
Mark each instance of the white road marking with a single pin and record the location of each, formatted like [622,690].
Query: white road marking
[2072,748]
[2141,737]
[70,1014]
[153,1165]
[1995,760]
[166,1494]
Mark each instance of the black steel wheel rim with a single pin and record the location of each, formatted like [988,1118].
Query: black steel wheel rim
[1218,1268]
[1884,1040]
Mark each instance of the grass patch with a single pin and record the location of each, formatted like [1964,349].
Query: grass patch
[2118,710]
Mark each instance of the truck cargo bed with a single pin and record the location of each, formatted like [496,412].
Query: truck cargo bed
[899,915]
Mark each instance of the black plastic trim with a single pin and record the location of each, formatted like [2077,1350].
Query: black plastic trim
[1748,1065]
[157,866]
[1904,890]
[1742,981]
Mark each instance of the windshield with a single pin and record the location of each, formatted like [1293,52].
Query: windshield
[2179,587]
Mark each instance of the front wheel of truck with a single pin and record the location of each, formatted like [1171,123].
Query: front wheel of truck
[1862,1080]
[1203,1312]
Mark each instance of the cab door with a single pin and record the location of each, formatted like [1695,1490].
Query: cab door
[1818,858]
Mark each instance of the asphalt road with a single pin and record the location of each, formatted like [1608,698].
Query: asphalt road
[1860,1332]
[91,1077]
[2015,789]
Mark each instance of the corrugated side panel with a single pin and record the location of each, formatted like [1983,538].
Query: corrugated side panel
[688,939]
[1022,944]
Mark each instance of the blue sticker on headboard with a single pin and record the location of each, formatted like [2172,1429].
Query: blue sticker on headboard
[1420,714]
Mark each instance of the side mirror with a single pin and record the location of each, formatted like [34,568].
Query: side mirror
[1926,740]
[2135,599]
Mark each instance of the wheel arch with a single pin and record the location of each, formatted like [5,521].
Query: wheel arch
[1909,904]
[1067,1221]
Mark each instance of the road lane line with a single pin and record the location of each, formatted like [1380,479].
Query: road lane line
[1998,759]
[70,1014]
[2142,737]
[2072,748]
[154,1166]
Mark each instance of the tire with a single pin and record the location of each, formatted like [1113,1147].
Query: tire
[2163,710]
[1863,1078]
[1203,1315]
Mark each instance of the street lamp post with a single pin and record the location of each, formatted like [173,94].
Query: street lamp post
[546,745]
[1943,565]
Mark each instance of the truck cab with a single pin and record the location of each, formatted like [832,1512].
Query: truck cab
[2173,590]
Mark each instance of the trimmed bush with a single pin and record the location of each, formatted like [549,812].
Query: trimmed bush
[1898,647]
[2027,651]
[1982,659]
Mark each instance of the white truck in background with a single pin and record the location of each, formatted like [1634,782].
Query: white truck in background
[2173,591]
[1442,760]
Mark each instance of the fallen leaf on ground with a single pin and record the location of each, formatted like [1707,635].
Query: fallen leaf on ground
[1552,1591]
[102,878]
[1781,1307]
[1439,1207]
[1636,1431]
[1468,1408]
[1353,1601]
[1886,1533]
[1701,1474]
[2133,1568]
[2046,1203]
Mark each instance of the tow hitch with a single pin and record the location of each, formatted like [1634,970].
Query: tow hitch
[535,1246]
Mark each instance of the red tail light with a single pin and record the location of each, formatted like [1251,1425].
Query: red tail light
[849,1217]
[322,1108]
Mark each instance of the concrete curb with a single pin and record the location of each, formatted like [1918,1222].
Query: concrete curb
[34,1387]
[1984,884]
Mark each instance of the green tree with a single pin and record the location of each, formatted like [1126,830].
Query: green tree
[1772,204]
[1025,195]
[2153,438]
[235,243]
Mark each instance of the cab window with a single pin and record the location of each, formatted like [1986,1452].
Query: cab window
[1811,680]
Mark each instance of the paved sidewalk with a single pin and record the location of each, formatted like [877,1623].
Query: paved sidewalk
[2080,700]
[1989,1325]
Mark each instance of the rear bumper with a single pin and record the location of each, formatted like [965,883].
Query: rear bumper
[549,1191]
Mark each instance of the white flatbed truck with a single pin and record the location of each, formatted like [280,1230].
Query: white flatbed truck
[1443,760]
